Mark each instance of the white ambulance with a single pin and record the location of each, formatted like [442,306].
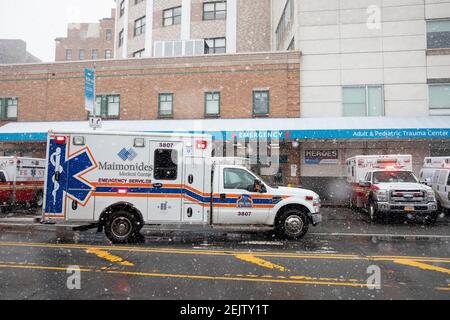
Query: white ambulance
[21,181]
[118,182]
[385,185]
[436,173]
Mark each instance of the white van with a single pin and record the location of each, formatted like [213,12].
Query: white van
[430,164]
[118,182]
[436,173]
[441,186]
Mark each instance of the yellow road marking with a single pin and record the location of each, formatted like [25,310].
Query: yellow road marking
[111,258]
[421,265]
[189,276]
[224,252]
[294,278]
[442,289]
[260,262]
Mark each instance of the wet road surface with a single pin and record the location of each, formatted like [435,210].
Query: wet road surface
[38,264]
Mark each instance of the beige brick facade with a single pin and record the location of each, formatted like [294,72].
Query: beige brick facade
[246,29]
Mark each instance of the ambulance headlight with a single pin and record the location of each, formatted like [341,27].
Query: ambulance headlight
[431,197]
[139,143]
[381,195]
[78,141]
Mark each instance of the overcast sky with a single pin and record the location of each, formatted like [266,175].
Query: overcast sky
[39,22]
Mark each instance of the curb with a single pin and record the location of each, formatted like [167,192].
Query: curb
[381,237]
[30,220]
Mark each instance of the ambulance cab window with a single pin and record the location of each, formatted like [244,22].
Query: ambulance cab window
[2,177]
[238,179]
[166,167]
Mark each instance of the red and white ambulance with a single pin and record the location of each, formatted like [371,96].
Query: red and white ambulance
[385,185]
[21,181]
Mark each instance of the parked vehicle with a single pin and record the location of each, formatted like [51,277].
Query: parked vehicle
[430,165]
[117,182]
[21,181]
[436,173]
[385,186]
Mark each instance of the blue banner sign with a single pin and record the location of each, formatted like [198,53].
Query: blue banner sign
[363,134]
[89,89]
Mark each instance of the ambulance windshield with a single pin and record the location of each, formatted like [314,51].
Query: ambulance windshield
[394,176]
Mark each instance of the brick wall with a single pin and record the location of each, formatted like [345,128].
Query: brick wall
[55,92]
[87,37]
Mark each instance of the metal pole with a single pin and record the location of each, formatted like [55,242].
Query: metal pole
[95,98]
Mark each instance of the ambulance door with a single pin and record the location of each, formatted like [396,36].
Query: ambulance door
[195,201]
[165,198]
[79,199]
[237,205]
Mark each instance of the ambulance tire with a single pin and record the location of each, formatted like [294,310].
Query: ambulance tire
[374,214]
[432,218]
[122,227]
[292,224]
[39,200]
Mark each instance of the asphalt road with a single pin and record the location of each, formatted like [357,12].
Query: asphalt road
[34,265]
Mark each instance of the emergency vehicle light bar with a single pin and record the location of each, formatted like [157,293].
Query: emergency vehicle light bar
[202,144]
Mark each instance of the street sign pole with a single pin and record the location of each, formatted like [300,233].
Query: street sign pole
[90,98]
[95,100]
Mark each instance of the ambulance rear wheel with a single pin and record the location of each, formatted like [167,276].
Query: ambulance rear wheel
[292,224]
[39,200]
[122,227]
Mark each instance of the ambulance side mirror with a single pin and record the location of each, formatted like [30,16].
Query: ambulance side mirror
[365,184]
[258,186]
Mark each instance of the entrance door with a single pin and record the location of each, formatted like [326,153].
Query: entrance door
[165,200]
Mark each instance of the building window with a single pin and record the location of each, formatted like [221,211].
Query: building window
[215,10]
[121,38]
[139,54]
[172,16]
[68,54]
[8,108]
[108,106]
[109,34]
[260,102]
[292,44]
[138,1]
[215,45]
[122,8]
[94,54]
[165,105]
[286,20]
[439,96]
[139,26]
[438,34]
[212,103]
[363,101]
[81,55]
[108,54]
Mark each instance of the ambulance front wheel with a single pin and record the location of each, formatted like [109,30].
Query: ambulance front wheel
[122,227]
[292,224]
